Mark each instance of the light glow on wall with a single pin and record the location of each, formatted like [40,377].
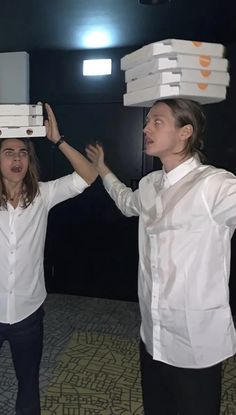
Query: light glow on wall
[96,39]
[94,67]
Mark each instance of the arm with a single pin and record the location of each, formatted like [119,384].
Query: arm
[80,164]
[126,200]
[220,193]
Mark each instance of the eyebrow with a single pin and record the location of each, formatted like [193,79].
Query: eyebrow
[14,149]
[155,115]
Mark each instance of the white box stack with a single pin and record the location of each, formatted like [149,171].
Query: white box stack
[175,68]
[21,120]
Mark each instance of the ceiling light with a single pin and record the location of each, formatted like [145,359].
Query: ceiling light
[95,67]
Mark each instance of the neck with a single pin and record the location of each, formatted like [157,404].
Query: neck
[171,163]
[15,196]
[14,192]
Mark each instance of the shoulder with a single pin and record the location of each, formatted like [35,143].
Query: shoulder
[215,180]
[218,174]
[151,177]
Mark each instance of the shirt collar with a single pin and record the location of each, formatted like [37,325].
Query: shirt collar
[181,170]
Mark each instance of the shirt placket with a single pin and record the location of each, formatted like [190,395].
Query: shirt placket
[12,264]
[156,279]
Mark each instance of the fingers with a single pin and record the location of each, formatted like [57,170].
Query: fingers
[48,108]
[51,124]
[95,154]
[50,114]
[96,150]
[92,153]
[47,125]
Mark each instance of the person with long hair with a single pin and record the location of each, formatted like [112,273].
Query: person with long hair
[187,216]
[24,206]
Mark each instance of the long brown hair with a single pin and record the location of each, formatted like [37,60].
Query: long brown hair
[30,181]
[186,111]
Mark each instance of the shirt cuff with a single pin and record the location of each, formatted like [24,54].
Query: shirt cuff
[79,182]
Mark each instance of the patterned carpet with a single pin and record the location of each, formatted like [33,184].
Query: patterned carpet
[97,374]
[228,404]
[90,363]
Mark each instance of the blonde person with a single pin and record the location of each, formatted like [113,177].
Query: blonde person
[24,206]
[187,216]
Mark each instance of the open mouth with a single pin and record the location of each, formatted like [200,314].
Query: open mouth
[148,141]
[16,169]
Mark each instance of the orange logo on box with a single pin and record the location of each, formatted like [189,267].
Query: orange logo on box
[197,44]
[202,86]
[205,60]
[205,73]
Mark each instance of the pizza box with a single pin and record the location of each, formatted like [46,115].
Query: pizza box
[22,132]
[167,46]
[202,93]
[177,61]
[20,120]
[179,75]
[21,109]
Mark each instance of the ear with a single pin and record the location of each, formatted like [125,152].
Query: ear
[186,131]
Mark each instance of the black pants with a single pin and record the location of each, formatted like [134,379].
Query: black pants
[169,390]
[26,344]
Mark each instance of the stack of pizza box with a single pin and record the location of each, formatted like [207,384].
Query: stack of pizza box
[21,120]
[174,68]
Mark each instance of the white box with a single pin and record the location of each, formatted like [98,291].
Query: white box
[179,75]
[14,77]
[167,46]
[21,120]
[202,93]
[22,132]
[176,61]
[21,109]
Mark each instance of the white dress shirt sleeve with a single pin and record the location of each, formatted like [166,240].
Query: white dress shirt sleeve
[56,191]
[124,197]
[221,196]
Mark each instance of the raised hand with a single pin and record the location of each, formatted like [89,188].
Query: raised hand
[52,130]
[95,153]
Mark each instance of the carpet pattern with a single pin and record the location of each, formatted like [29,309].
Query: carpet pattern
[97,374]
[228,400]
[90,363]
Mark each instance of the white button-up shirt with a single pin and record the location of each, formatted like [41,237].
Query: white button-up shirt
[186,221]
[22,238]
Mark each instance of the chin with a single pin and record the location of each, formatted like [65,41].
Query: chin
[150,152]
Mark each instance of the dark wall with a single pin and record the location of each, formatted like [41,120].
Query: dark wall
[57,75]
[91,248]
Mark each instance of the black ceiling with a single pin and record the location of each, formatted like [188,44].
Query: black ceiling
[65,24]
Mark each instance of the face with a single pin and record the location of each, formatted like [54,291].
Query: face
[14,160]
[162,137]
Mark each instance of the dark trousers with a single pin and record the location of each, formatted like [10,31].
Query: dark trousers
[26,344]
[169,390]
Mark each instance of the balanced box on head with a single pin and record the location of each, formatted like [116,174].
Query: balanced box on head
[21,120]
[175,68]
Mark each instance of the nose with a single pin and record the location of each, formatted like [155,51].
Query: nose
[146,128]
[16,155]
